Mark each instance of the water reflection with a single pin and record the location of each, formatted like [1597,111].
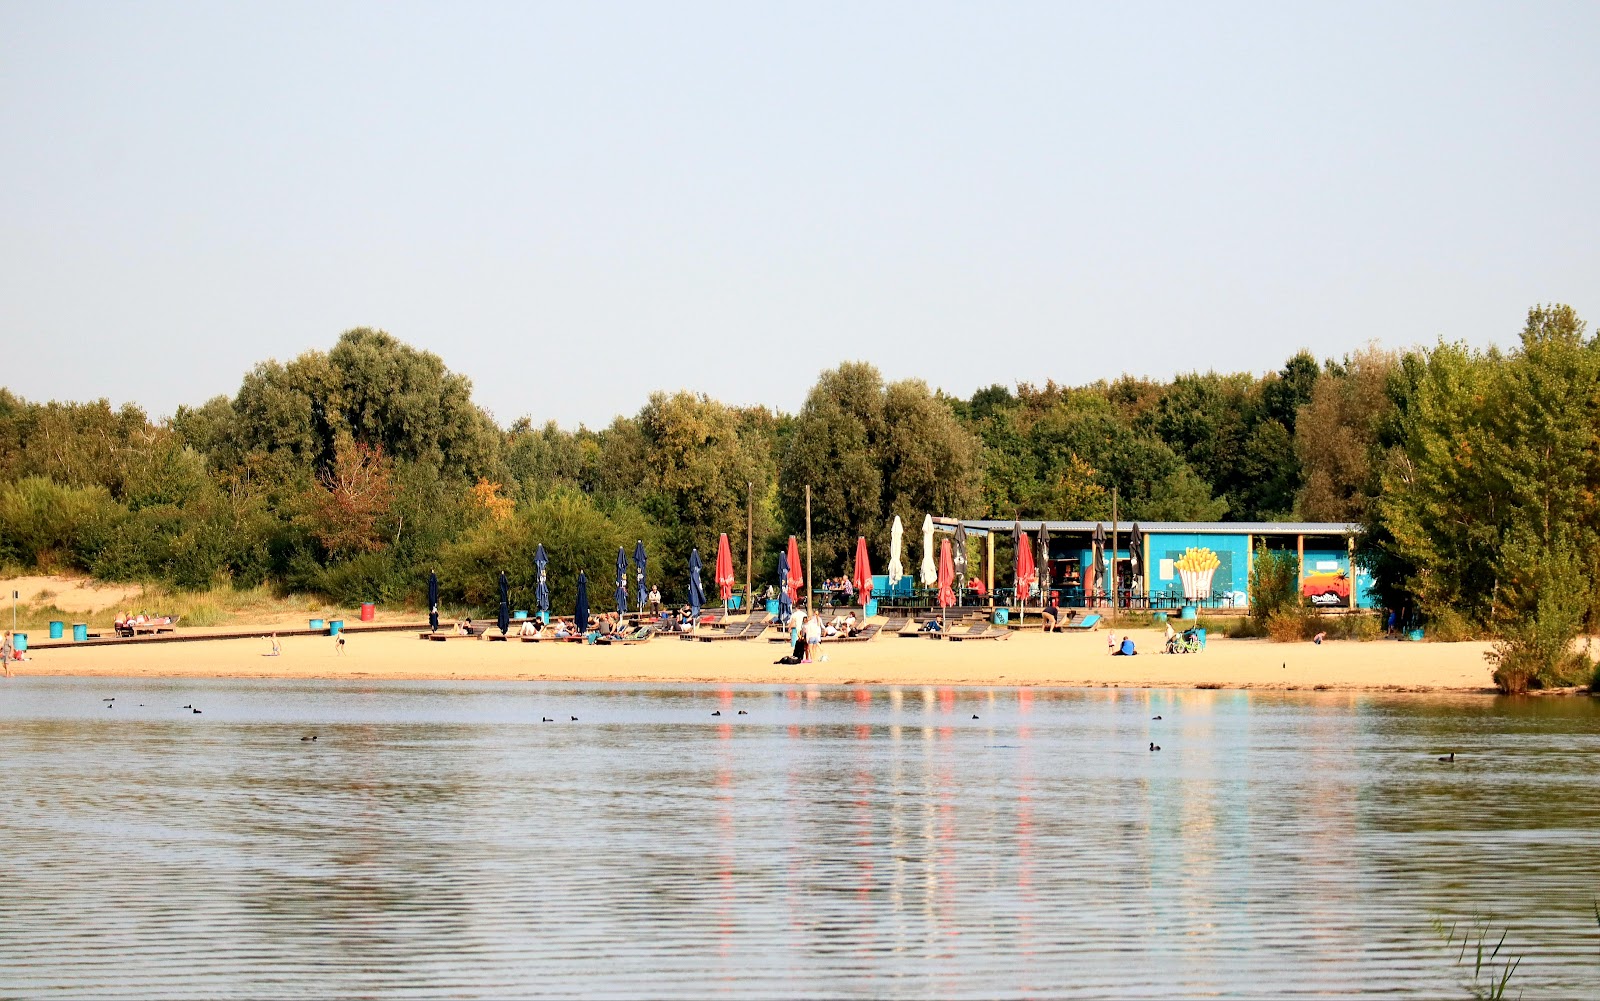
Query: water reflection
[440,839]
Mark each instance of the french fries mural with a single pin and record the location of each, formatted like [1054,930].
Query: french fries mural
[1196,568]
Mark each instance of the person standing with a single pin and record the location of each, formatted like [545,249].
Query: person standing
[655,601]
[813,635]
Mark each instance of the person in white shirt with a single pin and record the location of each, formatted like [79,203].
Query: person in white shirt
[813,635]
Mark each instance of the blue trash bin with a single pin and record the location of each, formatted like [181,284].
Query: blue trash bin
[318,625]
[335,627]
[870,610]
[1002,616]
[56,629]
[1187,612]
[80,632]
[1200,634]
[1158,617]
[772,607]
[19,641]
[520,614]
[735,602]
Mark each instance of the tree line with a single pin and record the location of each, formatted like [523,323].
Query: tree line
[351,473]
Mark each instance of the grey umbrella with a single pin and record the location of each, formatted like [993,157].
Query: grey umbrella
[1136,556]
[622,580]
[697,590]
[959,544]
[504,618]
[541,593]
[433,601]
[1099,542]
[1043,568]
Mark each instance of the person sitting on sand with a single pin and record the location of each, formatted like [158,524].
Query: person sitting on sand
[931,626]
[1317,639]
[562,632]
[1126,649]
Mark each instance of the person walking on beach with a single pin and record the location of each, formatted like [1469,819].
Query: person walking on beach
[338,646]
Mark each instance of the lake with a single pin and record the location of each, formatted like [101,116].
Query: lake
[440,839]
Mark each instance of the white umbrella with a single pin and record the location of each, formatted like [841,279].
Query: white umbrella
[896,541]
[930,571]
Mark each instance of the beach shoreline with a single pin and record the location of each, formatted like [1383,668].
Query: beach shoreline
[1029,659]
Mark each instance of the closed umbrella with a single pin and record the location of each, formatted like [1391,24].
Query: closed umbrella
[897,534]
[622,581]
[862,578]
[797,579]
[1044,563]
[947,576]
[1098,541]
[580,614]
[785,597]
[639,576]
[1136,557]
[1024,570]
[541,594]
[929,571]
[504,618]
[433,602]
[724,570]
[697,590]
[958,545]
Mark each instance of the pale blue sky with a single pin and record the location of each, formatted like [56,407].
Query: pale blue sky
[578,204]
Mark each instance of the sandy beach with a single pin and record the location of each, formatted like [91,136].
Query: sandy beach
[1028,658]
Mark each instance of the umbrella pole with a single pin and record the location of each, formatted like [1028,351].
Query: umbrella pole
[749,543]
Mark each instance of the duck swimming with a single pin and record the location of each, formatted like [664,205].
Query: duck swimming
[1449,757]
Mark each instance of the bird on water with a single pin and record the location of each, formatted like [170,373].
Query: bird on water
[717,713]
[974,715]
[195,711]
[1449,757]
[546,719]
[743,713]
[1155,717]
[1154,746]
[311,737]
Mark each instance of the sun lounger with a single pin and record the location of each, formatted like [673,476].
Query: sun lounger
[982,631]
[640,635]
[1086,623]
[861,637]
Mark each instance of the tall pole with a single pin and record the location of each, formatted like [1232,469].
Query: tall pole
[749,542]
[809,592]
[1113,554]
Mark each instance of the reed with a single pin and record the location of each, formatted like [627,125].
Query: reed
[1491,975]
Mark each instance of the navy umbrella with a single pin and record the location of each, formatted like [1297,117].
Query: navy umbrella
[638,567]
[1044,563]
[580,615]
[697,590]
[785,606]
[541,594]
[959,544]
[433,601]
[622,580]
[505,604]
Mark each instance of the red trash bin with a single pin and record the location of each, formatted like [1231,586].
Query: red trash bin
[368,611]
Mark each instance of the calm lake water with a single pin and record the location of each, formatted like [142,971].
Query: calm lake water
[438,839]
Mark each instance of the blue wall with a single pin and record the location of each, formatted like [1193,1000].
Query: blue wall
[1233,558]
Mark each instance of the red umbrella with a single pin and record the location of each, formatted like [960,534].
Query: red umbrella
[724,569]
[1024,568]
[863,574]
[796,578]
[947,575]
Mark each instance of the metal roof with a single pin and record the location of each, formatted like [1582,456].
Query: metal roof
[1163,527]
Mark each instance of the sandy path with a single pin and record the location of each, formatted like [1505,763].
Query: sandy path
[1025,659]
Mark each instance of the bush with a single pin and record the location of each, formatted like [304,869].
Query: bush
[1289,625]
[1360,626]
[1450,626]
[1232,626]
[1274,585]
[43,523]
[1534,647]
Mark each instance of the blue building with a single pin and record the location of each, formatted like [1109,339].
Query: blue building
[1178,563]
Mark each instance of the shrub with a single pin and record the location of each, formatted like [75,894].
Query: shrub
[1450,626]
[43,522]
[1288,625]
[1534,646]
[1274,584]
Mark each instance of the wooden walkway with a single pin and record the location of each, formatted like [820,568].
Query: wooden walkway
[256,633]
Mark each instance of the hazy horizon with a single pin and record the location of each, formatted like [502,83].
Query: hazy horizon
[575,206]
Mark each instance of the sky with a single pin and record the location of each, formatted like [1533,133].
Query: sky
[579,204]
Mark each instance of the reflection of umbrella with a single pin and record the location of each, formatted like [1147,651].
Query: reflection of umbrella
[897,534]
[863,575]
[724,569]
[504,619]
[1044,563]
[622,580]
[947,575]
[785,598]
[697,590]
[958,545]
[581,614]
[638,566]
[541,593]
[1099,542]
[930,572]
[433,601]
[797,580]
[1136,556]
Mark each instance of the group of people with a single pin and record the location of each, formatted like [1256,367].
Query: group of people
[807,633]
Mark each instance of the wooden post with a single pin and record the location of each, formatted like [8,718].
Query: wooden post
[1300,565]
[749,544]
[989,569]
[808,550]
[1350,563]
